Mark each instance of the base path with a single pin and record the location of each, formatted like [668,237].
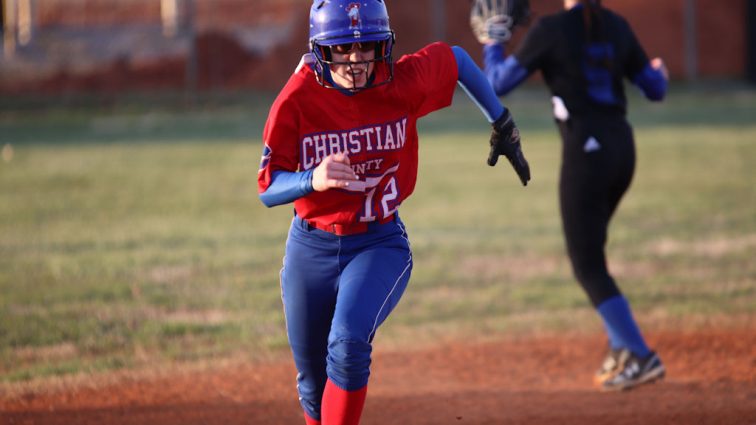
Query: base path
[711,379]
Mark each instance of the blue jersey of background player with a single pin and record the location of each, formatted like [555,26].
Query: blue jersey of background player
[341,143]
[584,53]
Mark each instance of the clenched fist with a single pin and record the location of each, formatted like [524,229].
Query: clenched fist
[334,172]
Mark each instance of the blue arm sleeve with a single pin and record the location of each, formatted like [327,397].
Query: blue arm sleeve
[473,81]
[286,186]
[652,83]
[504,74]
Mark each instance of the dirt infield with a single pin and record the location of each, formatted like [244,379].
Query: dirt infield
[711,379]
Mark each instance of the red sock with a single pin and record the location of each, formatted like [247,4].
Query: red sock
[342,407]
[310,421]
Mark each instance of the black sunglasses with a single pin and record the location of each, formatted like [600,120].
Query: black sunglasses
[362,46]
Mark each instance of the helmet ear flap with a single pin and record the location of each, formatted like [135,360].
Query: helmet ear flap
[383,48]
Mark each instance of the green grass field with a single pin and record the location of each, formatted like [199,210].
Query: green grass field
[134,236]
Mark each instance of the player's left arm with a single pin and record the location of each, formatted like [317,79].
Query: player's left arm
[472,80]
[651,76]
[652,80]
[505,137]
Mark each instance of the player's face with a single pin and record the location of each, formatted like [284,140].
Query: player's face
[354,74]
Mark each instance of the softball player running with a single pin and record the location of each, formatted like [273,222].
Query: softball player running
[584,52]
[341,143]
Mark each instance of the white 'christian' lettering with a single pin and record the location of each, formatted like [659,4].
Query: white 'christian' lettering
[381,137]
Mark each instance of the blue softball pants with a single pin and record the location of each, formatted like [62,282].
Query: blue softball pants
[337,291]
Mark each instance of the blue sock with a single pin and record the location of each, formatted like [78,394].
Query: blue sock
[620,326]
[615,342]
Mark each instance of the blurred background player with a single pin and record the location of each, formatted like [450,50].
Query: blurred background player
[341,143]
[584,53]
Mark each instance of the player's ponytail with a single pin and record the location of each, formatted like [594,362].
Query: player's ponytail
[592,20]
[594,32]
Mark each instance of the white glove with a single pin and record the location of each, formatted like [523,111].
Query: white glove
[490,21]
[499,28]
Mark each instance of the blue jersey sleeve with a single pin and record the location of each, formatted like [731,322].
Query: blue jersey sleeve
[652,83]
[287,186]
[475,84]
[504,73]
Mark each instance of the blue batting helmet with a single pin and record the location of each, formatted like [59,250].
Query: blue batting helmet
[334,22]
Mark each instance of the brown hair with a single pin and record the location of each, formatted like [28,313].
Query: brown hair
[592,20]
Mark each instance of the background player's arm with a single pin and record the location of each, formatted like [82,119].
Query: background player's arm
[493,24]
[652,80]
[503,72]
[650,76]
[507,72]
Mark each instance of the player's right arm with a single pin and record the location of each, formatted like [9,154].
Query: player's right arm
[503,72]
[288,186]
[507,72]
[278,179]
[334,172]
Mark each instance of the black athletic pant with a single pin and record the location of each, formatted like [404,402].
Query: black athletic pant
[592,183]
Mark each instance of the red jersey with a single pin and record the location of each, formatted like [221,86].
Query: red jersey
[376,127]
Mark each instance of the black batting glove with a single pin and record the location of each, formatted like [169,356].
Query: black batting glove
[505,140]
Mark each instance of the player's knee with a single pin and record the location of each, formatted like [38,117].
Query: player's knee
[588,275]
[588,268]
[349,363]
[596,281]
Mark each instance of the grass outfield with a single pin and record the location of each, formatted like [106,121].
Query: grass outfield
[134,236]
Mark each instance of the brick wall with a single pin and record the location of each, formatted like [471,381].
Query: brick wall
[659,24]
